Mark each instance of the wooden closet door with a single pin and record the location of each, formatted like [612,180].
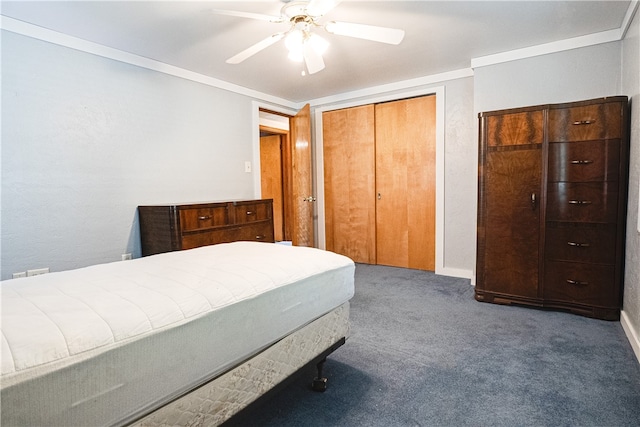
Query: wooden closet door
[349,182]
[405,183]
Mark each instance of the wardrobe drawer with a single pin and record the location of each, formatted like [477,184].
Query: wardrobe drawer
[208,216]
[581,242]
[252,212]
[582,202]
[583,123]
[584,161]
[580,283]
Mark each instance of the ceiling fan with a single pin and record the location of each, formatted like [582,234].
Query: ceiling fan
[302,42]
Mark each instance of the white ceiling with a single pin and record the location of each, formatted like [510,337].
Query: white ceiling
[441,36]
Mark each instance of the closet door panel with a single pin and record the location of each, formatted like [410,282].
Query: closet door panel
[405,183]
[349,182]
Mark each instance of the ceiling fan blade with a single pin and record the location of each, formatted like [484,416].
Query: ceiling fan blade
[317,8]
[367,32]
[252,50]
[249,15]
[312,59]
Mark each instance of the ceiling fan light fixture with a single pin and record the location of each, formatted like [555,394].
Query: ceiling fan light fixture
[317,43]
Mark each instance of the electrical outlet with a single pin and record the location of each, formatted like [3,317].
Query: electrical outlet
[19,274]
[37,271]
[126,257]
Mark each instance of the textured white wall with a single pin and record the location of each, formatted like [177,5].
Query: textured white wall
[573,75]
[85,140]
[631,87]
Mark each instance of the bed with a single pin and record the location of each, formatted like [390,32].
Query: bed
[181,338]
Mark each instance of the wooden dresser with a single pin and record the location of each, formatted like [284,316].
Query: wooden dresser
[552,206]
[168,228]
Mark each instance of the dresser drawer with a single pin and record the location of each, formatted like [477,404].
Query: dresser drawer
[583,123]
[584,161]
[212,237]
[259,232]
[582,202]
[593,243]
[207,216]
[252,211]
[590,284]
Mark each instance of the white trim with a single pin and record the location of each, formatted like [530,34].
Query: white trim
[628,18]
[547,48]
[439,91]
[632,334]
[40,33]
[391,87]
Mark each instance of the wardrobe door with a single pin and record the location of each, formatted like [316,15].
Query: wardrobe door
[349,182]
[510,194]
[405,183]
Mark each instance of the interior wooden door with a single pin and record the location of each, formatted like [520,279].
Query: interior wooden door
[302,189]
[271,179]
[349,182]
[406,183]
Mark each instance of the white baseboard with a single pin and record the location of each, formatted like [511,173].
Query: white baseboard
[455,272]
[632,334]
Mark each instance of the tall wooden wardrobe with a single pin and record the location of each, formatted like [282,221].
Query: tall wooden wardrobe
[552,206]
[379,181]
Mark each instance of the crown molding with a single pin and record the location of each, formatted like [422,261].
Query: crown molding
[61,39]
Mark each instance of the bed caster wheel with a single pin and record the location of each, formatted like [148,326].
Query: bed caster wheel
[319,384]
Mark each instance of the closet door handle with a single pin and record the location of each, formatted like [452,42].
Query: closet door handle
[379,196]
[534,201]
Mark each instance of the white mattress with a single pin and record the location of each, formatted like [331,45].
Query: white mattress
[102,344]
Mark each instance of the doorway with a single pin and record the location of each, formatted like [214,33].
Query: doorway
[292,161]
[275,181]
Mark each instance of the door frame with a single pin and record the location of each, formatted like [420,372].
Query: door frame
[439,92]
[256,106]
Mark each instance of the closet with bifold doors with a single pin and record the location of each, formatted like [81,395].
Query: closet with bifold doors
[552,201]
[379,182]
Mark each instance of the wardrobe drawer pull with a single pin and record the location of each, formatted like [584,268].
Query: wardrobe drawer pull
[578,245]
[577,282]
[583,122]
[581,162]
[580,202]
[251,213]
[260,237]
[204,218]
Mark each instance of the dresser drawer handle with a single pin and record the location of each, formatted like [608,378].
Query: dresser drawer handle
[581,162]
[578,245]
[251,213]
[260,237]
[577,282]
[204,218]
[583,122]
[579,202]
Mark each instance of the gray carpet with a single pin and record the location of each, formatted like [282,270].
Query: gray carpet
[423,352]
